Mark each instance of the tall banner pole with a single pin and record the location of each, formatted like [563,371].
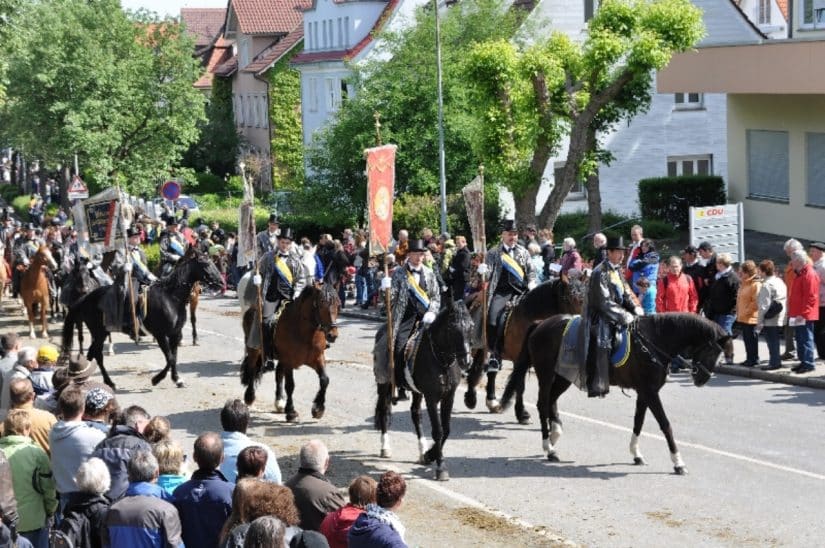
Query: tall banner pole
[483,238]
[249,192]
[124,226]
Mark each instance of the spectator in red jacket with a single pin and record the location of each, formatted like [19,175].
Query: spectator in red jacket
[676,291]
[803,309]
[336,524]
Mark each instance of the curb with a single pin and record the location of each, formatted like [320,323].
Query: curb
[361,315]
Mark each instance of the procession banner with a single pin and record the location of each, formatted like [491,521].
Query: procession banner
[474,202]
[380,186]
[102,216]
[246,234]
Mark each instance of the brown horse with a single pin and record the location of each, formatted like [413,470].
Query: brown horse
[561,296]
[34,288]
[5,275]
[194,299]
[301,336]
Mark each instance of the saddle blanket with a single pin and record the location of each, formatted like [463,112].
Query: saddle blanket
[570,365]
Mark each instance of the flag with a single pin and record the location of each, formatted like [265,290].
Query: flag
[380,185]
[474,202]
[247,235]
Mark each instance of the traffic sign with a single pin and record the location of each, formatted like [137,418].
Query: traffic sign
[77,189]
[170,190]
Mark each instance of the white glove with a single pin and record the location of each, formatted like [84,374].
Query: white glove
[386,283]
[174,258]
[482,269]
[627,318]
[127,267]
[256,279]
[152,277]
[428,318]
[90,266]
[531,286]
[25,261]
[639,311]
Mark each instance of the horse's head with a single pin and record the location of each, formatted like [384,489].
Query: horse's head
[44,257]
[325,306]
[706,356]
[573,290]
[451,332]
[205,270]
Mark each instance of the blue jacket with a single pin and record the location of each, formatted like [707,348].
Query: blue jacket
[142,519]
[204,503]
[233,444]
[115,451]
[368,532]
[646,265]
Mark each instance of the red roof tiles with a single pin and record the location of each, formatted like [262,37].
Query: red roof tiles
[269,16]
[204,24]
[273,53]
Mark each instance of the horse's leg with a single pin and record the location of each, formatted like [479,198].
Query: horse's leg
[493,404]
[30,313]
[543,405]
[473,376]
[415,413]
[291,414]
[96,353]
[44,318]
[163,343]
[193,307]
[252,363]
[522,416]
[80,336]
[174,343]
[638,422]
[320,398]
[111,350]
[446,413]
[557,387]
[280,399]
[655,405]
[434,454]
[383,412]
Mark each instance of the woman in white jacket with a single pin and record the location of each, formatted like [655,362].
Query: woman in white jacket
[771,316]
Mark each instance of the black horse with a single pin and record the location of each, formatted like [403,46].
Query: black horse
[165,312]
[440,356]
[561,296]
[655,341]
[78,282]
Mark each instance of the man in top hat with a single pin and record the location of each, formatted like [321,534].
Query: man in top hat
[511,275]
[135,266]
[281,279]
[415,297]
[172,246]
[610,307]
[267,240]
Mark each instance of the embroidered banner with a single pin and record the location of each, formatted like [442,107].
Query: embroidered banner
[380,187]
[474,202]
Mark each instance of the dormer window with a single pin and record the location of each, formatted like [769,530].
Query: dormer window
[243,52]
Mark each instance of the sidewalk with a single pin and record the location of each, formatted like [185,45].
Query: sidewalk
[815,379]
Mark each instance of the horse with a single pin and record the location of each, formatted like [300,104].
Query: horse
[58,276]
[76,283]
[301,335]
[166,302]
[5,274]
[194,299]
[441,355]
[564,295]
[34,288]
[654,342]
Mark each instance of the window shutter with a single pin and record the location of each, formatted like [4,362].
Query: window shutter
[815,163]
[768,164]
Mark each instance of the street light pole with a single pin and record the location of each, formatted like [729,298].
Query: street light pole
[441,161]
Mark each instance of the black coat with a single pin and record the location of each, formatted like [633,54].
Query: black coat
[89,510]
[722,295]
[459,272]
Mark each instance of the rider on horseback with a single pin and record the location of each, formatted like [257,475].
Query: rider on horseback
[610,307]
[172,246]
[511,276]
[416,298]
[267,240]
[24,250]
[135,266]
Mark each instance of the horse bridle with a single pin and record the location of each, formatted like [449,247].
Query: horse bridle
[316,313]
[695,366]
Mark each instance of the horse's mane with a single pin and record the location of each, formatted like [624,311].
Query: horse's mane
[536,302]
[673,326]
[179,274]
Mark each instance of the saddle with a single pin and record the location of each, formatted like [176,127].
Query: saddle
[410,352]
[570,364]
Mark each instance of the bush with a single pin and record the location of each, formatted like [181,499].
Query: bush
[667,199]
[9,192]
[417,212]
[152,256]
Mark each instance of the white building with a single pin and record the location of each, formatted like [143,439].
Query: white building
[681,133]
[771,16]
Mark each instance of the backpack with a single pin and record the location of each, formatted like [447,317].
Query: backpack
[73,529]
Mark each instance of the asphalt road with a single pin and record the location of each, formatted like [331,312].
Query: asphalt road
[753,450]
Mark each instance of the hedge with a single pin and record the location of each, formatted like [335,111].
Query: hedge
[574,225]
[668,199]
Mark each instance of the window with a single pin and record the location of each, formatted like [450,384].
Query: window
[578,192]
[241,111]
[764,15]
[256,106]
[315,35]
[690,165]
[236,109]
[333,94]
[768,164]
[813,12]
[324,32]
[589,9]
[313,94]
[346,32]
[815,172]
[340,33]
[264,112]
[687,101]
[243,52]
[308,34]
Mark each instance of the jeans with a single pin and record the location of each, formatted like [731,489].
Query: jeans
[362,292]
[39,537]
[751,340]
[805,343]
[772,333]
[725,321]
[788,331]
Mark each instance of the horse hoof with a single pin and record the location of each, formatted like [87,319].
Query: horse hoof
[180,384]
[639,461]
[249,396]
[386,453]
[292,416]
[470,400]
[524,418]
[280,406]
[680,470]
[317,412]
[195,343]
[552,457]
[442,475]
[156,379]
[493,406]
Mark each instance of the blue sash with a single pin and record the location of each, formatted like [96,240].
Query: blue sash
[175,246]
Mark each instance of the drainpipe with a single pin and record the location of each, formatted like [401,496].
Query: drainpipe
[790,19]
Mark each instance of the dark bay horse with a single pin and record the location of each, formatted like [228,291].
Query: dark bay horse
[441,354]
[77,283]
[300,337]
[655,341]
[34,288]
[561,296]
[165,313]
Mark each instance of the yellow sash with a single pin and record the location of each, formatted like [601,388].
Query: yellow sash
[283,269]
[136,258]
[512,266]
[417,291]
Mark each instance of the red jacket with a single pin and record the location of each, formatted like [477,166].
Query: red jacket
[676,294]
[803,299]
[336,525]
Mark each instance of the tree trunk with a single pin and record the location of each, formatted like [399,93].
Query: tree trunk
[594,204]
[526,206]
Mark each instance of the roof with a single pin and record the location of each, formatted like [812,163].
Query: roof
[268,16]
[204,24]
[227,68]
[220,53]
[276,51]
[346,55]
[783,7]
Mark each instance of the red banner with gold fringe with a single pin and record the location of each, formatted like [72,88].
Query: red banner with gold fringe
[380,185]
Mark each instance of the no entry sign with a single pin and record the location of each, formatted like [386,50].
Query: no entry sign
[170,190]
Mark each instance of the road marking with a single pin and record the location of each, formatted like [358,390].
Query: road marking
[230,337]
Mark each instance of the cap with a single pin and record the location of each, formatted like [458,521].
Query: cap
[817,245]
[47,354]
[96,399]
[705,246]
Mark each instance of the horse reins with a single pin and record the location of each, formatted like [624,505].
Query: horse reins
[645,343]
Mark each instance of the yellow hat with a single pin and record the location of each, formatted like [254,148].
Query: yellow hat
[47,354]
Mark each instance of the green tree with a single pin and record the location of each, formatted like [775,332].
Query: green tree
[216,149]
[285,117]
[401,86]
[527,99]
[116,88]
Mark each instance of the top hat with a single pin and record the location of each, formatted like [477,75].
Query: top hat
[81,368]
[31,226]
[171,221]
[690,250]
[508,225]
[706,246]
[273,219]
[416,246]
[132,231]
[287,233]
[616,242]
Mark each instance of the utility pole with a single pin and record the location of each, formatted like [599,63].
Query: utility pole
[441,161]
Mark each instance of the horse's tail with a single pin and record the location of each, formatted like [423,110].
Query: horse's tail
[515,382]
[251,367]
[68,332]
